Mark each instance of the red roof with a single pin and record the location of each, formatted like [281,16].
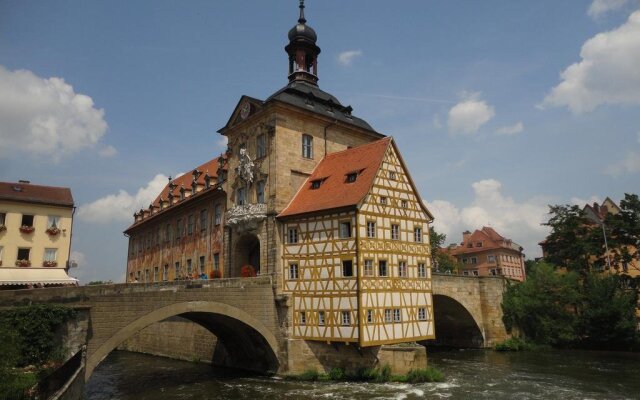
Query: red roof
[28,193]
[334,190]
[490,240]
[210,167]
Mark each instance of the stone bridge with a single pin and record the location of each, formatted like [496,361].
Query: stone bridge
[241,313]
[247,318]
[467,310]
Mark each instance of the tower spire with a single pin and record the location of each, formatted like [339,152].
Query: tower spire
[303,51]
[302,20]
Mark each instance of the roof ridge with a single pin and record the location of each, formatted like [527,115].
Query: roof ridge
[377,141]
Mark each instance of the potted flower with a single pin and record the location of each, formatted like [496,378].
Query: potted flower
[27,229]
[23,263]
[215,274]
[53,230]
[49,264]
[247,271]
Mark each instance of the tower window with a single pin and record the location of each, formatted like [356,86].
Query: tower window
[261,146]
[260,192]
[307,146]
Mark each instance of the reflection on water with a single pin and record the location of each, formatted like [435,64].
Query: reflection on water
[470,374]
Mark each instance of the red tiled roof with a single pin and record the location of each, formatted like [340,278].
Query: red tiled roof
[185,180]
[334,191]
[28,193]
[490,239]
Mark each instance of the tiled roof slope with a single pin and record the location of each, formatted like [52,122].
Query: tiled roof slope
[210,167]
[490,239]
[28,193]
[334,191]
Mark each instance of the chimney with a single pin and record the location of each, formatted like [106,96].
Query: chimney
[465,235]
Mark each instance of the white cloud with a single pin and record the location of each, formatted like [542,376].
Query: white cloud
[628,165]
[108,151]
[511,129]
[601,7]
[121,206]
[607,74]
[519,221]
[45,117]
[469,115]
[346,58]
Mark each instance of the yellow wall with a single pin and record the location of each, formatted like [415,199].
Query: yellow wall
[11,239]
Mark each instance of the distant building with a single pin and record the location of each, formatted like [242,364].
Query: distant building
[486,253]
[35,235]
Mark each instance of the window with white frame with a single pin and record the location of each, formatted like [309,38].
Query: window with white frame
[307,146]
[491,258]
[345,229]
[261,146]
[417,234]
[465,273]
[395,232]
[422,270]
[368,267]
[474,260]
[493,272]
[346,318]
[165,272]
[293,271]
[292,235]
[422,314]
[53,222]
[303,317]
[371,229]
[388,316]
[402,269]
[397,316]
[50,255]
[321,318]
[369,316]
[475,272]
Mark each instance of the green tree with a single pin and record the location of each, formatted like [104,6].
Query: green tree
[623,234]
[442,261]
[544,306]
[571,243]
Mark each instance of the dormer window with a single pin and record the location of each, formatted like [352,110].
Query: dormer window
[316,183]
[479,244]
[351,177]
[207,181]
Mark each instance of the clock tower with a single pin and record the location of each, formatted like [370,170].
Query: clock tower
[303,51]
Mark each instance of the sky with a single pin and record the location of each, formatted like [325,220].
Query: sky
[499,108]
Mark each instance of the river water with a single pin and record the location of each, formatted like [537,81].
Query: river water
[469,374]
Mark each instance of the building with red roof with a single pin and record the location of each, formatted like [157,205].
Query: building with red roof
[487,253]
[311,195]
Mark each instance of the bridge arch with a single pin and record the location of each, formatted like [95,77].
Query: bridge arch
[455,326]
[242,335]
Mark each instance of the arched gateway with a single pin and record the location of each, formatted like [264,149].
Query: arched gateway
[247,252]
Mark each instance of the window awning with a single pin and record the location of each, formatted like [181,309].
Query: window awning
[33,276]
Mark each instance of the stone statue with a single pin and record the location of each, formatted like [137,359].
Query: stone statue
[245,167]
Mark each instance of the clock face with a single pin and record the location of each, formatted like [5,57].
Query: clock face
[244,111]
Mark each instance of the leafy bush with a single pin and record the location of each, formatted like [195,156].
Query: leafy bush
[514,344]
[309,375]
[428,374]
[336,374]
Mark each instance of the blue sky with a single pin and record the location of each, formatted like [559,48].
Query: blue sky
[499,107]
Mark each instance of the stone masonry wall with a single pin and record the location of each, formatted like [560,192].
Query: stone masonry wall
[175,338]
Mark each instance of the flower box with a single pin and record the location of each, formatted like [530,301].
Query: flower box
[23,263]
[49,264]
[215,274]
[53,231]
[27,229]
[247,271]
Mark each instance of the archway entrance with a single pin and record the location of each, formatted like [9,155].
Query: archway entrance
[454,325]
[247,252]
